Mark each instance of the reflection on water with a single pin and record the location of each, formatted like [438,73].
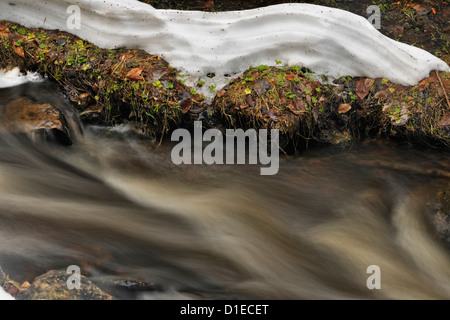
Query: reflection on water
[115,206]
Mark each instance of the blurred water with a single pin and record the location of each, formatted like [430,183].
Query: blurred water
[118,207]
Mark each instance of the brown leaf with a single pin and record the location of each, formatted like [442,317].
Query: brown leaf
[445,121]
[125,56]
[271,115]
[135,74]
[343,108]
[418,8]
[209,5]
[220,92]
[250,100]
[369,82]
[300,105]
[19,51]
[25,285]
[361,89]
[4,31]
[380,94]
[290,76]
[186,104]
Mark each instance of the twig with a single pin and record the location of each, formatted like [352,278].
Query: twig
[443,88]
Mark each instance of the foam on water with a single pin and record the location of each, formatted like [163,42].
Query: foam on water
[11,78]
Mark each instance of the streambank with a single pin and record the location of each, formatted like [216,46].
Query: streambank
[109,87]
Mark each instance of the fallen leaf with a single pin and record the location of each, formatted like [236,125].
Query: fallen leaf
[19,51]
[250,100]
[210,4]
[380,94]
[4,31]
[261,87]
[125,56]
[220,92]
[186,104]
[135,74]
[25,285]
[445,121]
[343,108]
[361,89]
[271,115]
[290,76]
[418,8]
[369,82]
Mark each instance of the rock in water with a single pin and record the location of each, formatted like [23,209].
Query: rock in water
[39,110]
[53,286]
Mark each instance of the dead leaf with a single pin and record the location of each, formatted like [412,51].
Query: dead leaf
[445,121]
[19,51]
[4,31]
[418,8]
[271,115]
[300,105]
[25,285]
[209,5]
[369,82]
[380,94]
[290,76]
[343,108]
[125,56]
[186,104]
[250,100]
[361,89]
[220,92]
[135,74]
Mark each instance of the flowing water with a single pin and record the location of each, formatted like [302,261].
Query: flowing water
[116,206]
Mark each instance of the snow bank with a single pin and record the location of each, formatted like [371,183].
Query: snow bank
[4,295]
[328,41]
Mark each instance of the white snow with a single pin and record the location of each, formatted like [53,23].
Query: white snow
[327,40]
[4,295]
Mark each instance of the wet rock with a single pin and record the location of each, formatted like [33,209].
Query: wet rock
[53,286]
[25,116]
[335,137]
[40,110]
[61,41]
[441,217]
[125,288]
[22,115]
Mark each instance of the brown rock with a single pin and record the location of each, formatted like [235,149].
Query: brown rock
[53,286]
[22,115]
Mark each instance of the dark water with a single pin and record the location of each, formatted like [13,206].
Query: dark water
[118,208]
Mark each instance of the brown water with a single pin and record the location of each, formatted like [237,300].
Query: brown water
[117,208]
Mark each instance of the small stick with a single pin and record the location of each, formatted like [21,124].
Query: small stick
[443,88]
